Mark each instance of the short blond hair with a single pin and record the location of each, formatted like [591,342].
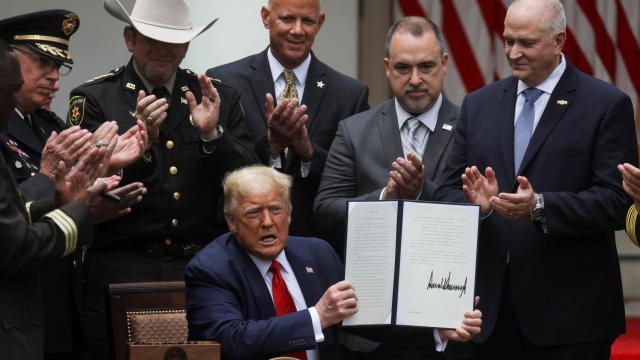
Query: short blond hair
[252,180]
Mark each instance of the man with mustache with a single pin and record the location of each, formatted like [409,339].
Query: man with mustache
[197,133]
[396,150]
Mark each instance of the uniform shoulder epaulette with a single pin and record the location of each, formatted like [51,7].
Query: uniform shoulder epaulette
[190,73]
[111,73]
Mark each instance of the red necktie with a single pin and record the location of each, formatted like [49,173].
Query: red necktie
[282,300]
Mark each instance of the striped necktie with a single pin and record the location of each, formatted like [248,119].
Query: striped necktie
[415,143]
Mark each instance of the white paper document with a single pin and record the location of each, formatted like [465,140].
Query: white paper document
[419,271]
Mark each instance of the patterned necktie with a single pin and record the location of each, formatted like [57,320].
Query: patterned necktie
[524,126]
[282,300]
[413,127]
[290,90]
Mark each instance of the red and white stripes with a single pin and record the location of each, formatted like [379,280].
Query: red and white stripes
[602,40]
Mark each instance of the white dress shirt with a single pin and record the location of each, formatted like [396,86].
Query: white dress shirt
[279,84]
[294,289]
[546,86]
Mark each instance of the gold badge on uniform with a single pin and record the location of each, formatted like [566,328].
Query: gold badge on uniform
[76,110]
[131,86]
[69,24]
[184,88]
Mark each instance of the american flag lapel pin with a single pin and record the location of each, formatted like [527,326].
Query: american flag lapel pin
[309,269]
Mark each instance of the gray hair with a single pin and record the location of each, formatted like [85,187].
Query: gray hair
[252,180]
[416,26]
[556,20]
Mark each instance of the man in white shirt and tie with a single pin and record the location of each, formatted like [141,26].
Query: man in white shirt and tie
[396,150]
[305,99]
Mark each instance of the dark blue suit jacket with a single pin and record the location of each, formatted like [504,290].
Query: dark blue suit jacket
[566,283]
[330,97]
[228,300]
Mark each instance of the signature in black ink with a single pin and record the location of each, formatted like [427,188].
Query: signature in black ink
[446,285]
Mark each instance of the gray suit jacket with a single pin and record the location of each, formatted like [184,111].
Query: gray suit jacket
[360,158]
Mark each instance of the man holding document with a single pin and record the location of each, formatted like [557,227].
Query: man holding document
[415,127]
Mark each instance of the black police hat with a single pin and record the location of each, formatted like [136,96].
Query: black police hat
[46,32]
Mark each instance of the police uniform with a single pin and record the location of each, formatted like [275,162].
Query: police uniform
[181,210]
[46,33]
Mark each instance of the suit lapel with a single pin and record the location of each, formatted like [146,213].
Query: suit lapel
[505,112]
[389,133]
[559,102]
[130,85]
[439,139]
[18,129]
[262,81]
[314,93]
[305,270]
[179,111]
[262,297]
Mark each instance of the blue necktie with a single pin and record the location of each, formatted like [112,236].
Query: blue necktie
[524,126]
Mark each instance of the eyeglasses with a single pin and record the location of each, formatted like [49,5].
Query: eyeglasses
[46,64]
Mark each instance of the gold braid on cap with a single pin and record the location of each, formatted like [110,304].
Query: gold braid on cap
[42,38]
[54,50]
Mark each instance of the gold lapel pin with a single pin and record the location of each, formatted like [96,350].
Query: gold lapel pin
[320,84]
[562,102]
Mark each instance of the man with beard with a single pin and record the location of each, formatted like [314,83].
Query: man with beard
[416,128]
[195,136]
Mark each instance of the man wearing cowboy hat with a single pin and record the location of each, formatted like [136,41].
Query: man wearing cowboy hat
[40,42]
[196,135]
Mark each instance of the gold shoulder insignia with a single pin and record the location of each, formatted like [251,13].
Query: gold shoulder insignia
[111,73]
[76,110]
[216,81]
[189,72]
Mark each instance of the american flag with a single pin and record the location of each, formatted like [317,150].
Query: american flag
[602,40]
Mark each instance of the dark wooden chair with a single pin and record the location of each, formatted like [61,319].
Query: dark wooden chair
[149,322]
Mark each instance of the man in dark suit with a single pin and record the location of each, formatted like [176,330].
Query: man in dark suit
[631,185]
[34,233]
[292,141]
[548,140]
[196,133]
[372,157]
[22,144]
[375,156]
[260,292]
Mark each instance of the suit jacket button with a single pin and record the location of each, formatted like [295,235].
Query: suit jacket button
[169,144]
[174,222]
[173,170]
[168,241]
[176,196]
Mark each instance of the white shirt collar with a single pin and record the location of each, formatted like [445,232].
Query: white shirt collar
[301,71]
[428,118]
[264,265]
[550,82]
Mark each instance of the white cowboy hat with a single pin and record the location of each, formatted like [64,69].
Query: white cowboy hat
[162,20]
